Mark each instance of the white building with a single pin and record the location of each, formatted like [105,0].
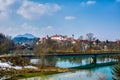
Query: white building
[58,37]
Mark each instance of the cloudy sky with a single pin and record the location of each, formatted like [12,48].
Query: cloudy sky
[66,17]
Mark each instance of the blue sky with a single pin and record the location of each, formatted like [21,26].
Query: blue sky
[66,17]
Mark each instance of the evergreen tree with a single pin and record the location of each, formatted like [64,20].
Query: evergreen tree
[116,72]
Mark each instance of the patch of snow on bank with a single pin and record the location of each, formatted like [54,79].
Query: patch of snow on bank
[17,67]
[6,65]
[30,67]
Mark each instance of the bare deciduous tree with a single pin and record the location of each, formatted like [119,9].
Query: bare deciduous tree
[90,37]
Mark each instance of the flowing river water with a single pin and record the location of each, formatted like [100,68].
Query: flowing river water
[103,73]
[83,68]
[95,73]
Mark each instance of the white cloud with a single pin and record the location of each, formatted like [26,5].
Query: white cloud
[3,15]
[118,0]
[26,8]
[5,8]
[48,28]
[4,4]
[89,2]
[32,10]
[26,28]
[38,31]
[70,17]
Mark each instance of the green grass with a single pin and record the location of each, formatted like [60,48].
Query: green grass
[27,75]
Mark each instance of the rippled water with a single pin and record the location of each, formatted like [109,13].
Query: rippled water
[97,73]
[103,73]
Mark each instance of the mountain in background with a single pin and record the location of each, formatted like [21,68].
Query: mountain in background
[27,35]
[26,38]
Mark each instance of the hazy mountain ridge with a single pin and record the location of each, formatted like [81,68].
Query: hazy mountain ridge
[26,38]
[26,35]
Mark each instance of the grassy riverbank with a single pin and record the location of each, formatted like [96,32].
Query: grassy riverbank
[25,73]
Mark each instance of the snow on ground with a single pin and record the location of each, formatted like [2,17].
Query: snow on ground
[30,67]
[7,65]
[17,67]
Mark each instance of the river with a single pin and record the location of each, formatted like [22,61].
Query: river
[103,73]
[95,73]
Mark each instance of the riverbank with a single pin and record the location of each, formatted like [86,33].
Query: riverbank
[30,70]
[13,74]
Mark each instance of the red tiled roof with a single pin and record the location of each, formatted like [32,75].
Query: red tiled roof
[78,41]
[58,36]
[118,41]
[69,39]
[55,36]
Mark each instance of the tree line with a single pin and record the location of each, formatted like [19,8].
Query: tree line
[91,44]
[6,44]
[52,46]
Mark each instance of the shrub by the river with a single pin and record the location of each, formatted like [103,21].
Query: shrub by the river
[17,61]
[116,72]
